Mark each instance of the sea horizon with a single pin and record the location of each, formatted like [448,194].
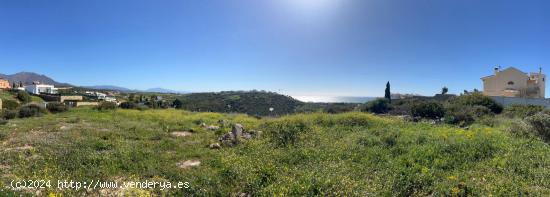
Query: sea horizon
[334,99]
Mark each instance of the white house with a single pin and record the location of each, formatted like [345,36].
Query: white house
[41,88]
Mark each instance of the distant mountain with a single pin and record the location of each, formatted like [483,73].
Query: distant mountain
[27,78]
[110,87]
[162,90]
[122,89]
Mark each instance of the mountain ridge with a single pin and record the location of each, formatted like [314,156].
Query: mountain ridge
[27,78]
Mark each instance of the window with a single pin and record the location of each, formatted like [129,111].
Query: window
[510,83]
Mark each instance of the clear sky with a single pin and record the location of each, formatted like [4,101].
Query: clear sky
[296,47]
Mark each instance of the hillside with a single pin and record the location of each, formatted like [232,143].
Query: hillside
[249,102]
[352,154]
[28,78]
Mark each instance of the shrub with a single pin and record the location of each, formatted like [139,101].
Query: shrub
[520,129]
[433,110]
[10,104]
[378,106]
[24,97]
[31,110]
[478,99]
[465,115]
[56,107]
[9,114]
[522,111]
[3,122]
[128,105]
[540,124]
[106,106]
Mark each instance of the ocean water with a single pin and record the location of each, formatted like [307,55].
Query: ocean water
[334,99]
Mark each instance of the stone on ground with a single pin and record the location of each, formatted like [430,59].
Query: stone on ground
[188,164]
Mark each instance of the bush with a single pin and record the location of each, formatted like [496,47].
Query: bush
[9,114]
[3,122]
[465,115]
[522,111]
[10,104]
[378,106]
[432,110]
[128,105]
[106,106]
[31,110]
[520,129]
[478,99]
[540,124]
[56,107]
[24,97]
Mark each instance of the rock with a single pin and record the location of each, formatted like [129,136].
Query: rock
[247,135]
[202,124]
[181,133]
[222,122]
[215,146]
[212,128]
[228,139]
[242,194]
[188,164]
[237,131]
[64,128]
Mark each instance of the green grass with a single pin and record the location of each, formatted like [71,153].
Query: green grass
[5,95]
[352,154]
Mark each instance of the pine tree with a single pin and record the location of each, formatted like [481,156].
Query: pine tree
[444,90]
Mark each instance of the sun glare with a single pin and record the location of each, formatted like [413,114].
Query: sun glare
[312,9]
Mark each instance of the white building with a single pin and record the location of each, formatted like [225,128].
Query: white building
[101,96]
[41,88]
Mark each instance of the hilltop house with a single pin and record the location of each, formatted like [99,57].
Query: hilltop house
[4,84]
[37,88]
[512,82]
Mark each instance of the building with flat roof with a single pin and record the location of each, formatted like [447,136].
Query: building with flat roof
[41,88]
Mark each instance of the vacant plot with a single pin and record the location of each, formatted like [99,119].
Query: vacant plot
[352,154]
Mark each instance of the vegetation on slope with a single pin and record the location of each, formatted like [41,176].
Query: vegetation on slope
[351,154]
[253,102]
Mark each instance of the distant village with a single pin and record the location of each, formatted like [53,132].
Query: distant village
[50,93]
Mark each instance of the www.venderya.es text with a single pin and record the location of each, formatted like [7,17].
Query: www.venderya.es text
[97,184]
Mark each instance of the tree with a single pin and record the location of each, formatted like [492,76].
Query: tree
[177,104]
[387,94]
[20,84]
[444,90]
[13,85]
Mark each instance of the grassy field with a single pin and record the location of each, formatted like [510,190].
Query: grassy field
[351,154]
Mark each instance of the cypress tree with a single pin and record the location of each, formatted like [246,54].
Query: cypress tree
[387,95]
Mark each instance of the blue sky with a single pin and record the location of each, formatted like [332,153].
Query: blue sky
[296,47]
